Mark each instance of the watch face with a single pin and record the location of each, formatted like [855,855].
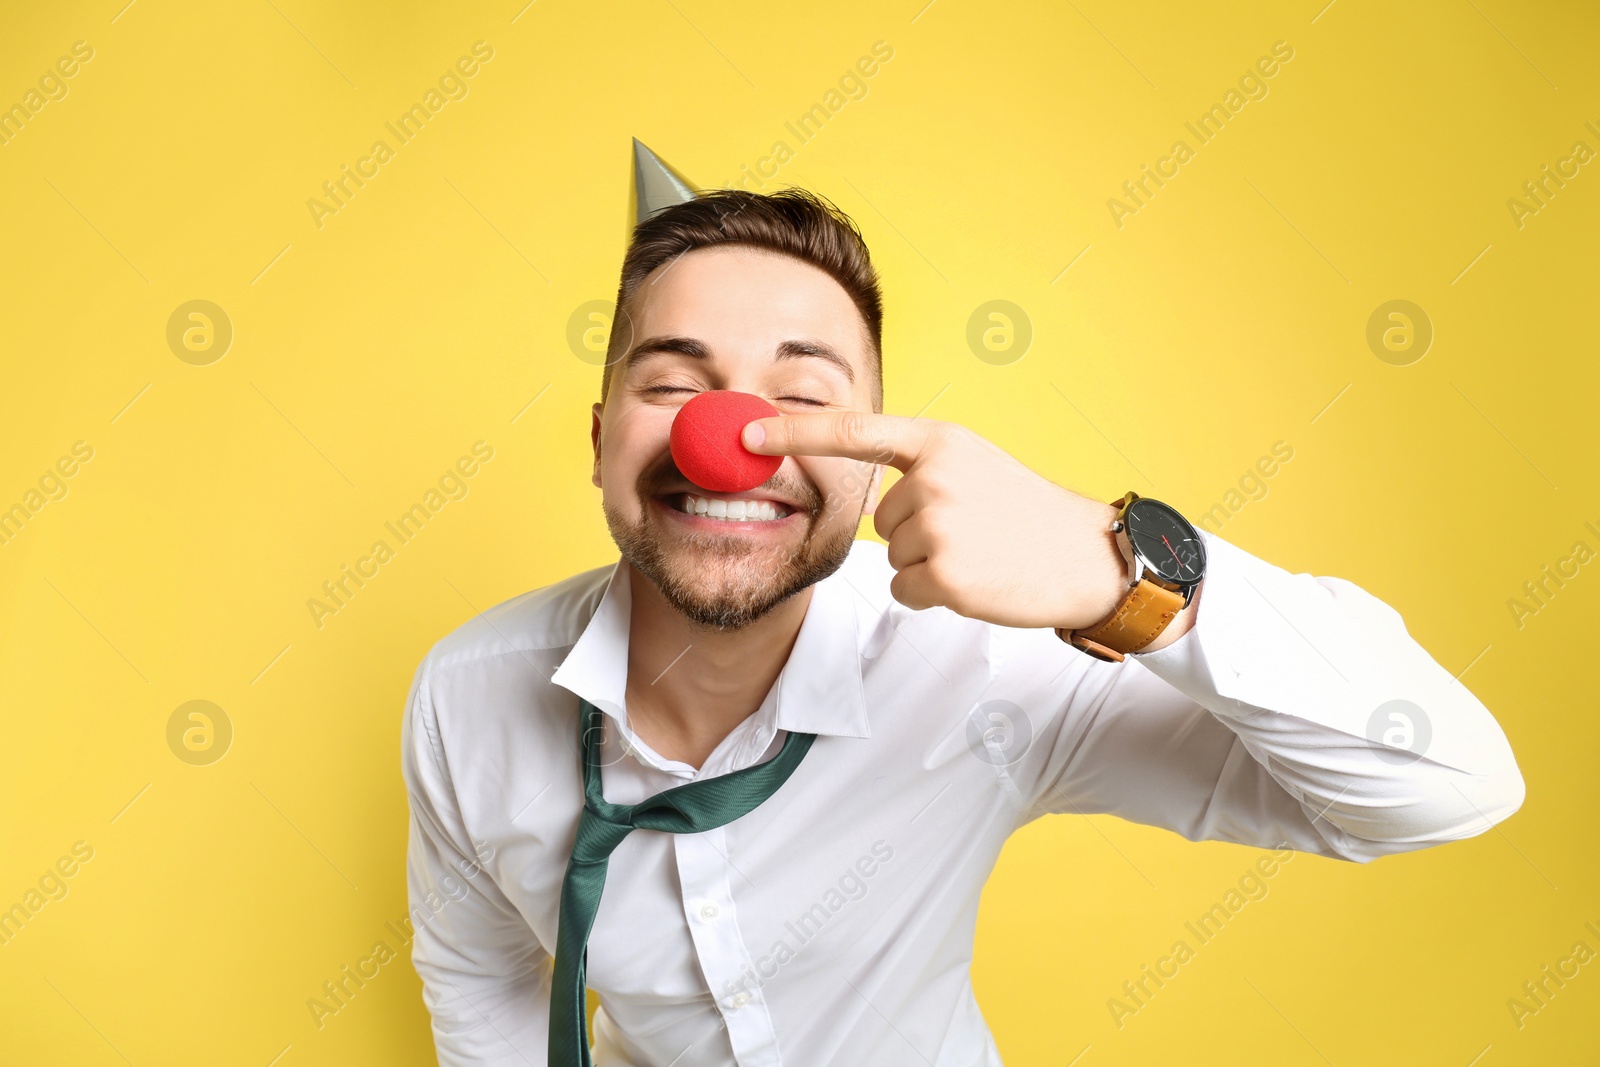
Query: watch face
[1165,542]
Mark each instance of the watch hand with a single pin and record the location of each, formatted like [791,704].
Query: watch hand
[1171,549]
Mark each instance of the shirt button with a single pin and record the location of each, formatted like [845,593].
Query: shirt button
[739,1000]
[710,911]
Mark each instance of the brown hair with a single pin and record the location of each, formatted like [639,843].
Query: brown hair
[792,221]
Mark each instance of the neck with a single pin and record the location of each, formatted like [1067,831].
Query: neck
[688,687]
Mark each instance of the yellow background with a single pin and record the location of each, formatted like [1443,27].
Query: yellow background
[1227,314]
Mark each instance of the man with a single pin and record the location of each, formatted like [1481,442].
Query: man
[1016,650]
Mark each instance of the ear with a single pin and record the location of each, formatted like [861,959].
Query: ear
[873,487]
[594,441]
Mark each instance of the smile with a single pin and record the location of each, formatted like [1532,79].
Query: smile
[738,509]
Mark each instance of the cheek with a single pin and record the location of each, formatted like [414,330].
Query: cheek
[840,481]
[632,441]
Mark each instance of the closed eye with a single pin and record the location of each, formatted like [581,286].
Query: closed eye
[685,389]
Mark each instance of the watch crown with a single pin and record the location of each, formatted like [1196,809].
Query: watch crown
[1116,525]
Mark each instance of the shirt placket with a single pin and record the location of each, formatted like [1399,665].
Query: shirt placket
[703,873]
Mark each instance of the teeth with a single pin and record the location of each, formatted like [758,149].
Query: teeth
[730,510]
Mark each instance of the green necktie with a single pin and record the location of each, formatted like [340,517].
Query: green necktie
[685,809]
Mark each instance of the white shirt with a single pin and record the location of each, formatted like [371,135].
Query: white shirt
[834,923]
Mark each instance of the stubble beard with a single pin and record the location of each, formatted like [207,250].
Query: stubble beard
[727,581]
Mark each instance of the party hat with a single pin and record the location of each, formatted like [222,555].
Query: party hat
[656,187]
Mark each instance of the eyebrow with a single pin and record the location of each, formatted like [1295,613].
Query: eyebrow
[697,349]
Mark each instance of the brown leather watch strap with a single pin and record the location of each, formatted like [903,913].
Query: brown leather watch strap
[1138,620]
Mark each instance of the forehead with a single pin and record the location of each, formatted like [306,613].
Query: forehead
[744,299]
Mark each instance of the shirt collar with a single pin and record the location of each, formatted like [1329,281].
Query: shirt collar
[819,690]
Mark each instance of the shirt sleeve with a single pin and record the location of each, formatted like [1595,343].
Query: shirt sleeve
[1296,711]
[485,976]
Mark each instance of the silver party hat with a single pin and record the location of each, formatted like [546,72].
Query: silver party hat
[655,186]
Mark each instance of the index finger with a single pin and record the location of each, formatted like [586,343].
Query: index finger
[893,439]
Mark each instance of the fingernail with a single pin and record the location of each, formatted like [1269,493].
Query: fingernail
[754,435]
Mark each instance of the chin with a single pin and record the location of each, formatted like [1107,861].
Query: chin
[725,582]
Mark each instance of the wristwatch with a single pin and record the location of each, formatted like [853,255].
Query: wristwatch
[1166,561]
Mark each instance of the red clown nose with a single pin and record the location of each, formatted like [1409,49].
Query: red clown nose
[705,441]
